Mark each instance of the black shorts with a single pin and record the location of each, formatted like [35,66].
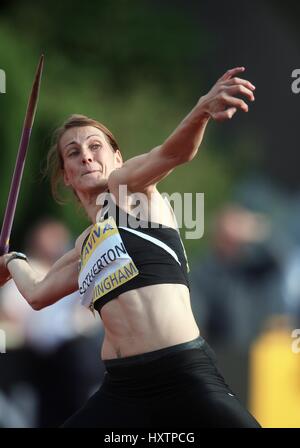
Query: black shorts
[176,387]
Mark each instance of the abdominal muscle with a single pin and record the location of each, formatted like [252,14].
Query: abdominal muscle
[147,319]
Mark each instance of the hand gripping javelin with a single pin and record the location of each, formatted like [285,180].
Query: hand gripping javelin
[20,162]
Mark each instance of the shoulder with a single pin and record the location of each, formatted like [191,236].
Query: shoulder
[148,205]
[161,210]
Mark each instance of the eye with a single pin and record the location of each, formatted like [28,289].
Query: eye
[95,146]
[73,152]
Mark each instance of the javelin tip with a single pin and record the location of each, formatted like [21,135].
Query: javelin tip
[33,99]
[39,69]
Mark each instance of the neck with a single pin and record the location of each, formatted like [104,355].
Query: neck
[89,202]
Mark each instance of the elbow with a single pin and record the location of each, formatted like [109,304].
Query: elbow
[36,306]
[34,303]
[35,300]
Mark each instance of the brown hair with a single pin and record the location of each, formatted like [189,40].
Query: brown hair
[55,163]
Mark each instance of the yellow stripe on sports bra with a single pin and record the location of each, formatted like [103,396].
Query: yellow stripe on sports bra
[99,233]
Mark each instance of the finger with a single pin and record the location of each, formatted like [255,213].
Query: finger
[243,82]
[235,102]
[232,72]
[239,90]
[225,114]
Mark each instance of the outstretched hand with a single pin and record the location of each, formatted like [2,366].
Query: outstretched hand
[222,101]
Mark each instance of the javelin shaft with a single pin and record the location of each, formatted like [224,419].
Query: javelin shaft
[20,162]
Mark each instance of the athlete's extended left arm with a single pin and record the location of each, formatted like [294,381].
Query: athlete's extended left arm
[220,104]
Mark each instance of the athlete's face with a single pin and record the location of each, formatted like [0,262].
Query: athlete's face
[88,158]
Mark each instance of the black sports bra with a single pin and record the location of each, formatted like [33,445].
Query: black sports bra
[157,253]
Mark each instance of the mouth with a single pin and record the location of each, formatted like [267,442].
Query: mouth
[90,172]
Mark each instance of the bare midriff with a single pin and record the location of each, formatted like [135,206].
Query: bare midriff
[147,319]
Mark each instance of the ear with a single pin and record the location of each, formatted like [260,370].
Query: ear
[118,159]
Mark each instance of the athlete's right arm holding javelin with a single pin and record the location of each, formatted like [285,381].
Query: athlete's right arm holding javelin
[220,104]
[61,280]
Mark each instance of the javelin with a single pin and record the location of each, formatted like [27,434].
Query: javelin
[20,162]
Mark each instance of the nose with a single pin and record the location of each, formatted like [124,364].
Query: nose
[86,157]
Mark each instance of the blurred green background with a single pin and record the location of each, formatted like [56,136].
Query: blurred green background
[140,67]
